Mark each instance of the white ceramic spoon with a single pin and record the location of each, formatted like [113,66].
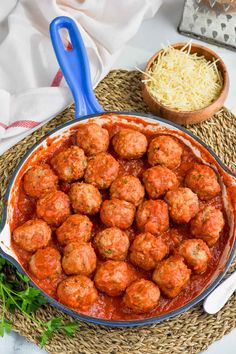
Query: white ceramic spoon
[218,298]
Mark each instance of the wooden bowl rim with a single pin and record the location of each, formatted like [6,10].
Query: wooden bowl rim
[222,68]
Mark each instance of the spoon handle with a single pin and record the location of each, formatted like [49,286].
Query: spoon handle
[218,298]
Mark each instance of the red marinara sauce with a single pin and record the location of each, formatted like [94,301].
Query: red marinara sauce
[111,307]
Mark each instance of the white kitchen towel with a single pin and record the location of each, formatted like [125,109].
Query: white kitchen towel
[32,89]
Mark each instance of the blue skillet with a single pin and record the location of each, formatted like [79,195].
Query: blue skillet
[75,67]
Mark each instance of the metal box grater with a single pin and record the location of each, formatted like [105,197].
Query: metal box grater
[210,20]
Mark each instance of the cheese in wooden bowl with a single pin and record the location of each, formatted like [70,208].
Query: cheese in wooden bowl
[185,83]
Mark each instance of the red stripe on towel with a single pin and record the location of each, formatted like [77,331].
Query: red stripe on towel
[23,124]
[20,124]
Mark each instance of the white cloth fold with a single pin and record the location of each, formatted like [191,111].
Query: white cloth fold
[32,89]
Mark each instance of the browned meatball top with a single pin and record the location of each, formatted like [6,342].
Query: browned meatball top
[102,170]
[40,180]
[117,213]
[85,198]
[129,144]
[152,216]
[76,228]
[208,224]
[79,258]
[70,164]
[112,277]
[92,138]
[147,250]
[127,188]
[196,254]
[112,243]
[32,235]
[158,180]
[54,208]
[166,151]
[142,296]
[45,263]
[171,275]
[77,291]
[203,180]
[183,204]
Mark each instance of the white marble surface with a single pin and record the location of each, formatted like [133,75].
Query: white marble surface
[13,343]
[161,29]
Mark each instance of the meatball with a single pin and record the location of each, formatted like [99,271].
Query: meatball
[79,258]
[92,138]
[158,180]
[70,164]
[129,144]
[152,216]
[102,170]
[166,151]
[183,204]
[40,180]
[45,263]
[196,254]
[117,213]
[208,224]
[32,235]
[142,296]
[127,188]
[85,198]
[203,181]
[112,243]
[112,277]
[171,275]
[147,250]
[77,291]
[76,228]
[54,208]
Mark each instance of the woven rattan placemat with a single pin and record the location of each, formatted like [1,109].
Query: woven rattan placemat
[187,333]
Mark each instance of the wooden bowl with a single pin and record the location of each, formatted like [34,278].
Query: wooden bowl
[188,117]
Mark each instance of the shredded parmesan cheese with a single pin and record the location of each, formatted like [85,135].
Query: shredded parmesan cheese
[184,81]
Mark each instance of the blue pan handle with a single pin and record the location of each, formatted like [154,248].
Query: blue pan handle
[75,67]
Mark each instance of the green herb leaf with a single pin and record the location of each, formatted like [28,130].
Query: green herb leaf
[54,323]
[57,324]
[108,251]
[27,300]
[2,262]
[45,337]
[5,326]
[71,327]
[23,277]
[17,294]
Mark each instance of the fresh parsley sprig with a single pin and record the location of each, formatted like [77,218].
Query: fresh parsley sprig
[17,294]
